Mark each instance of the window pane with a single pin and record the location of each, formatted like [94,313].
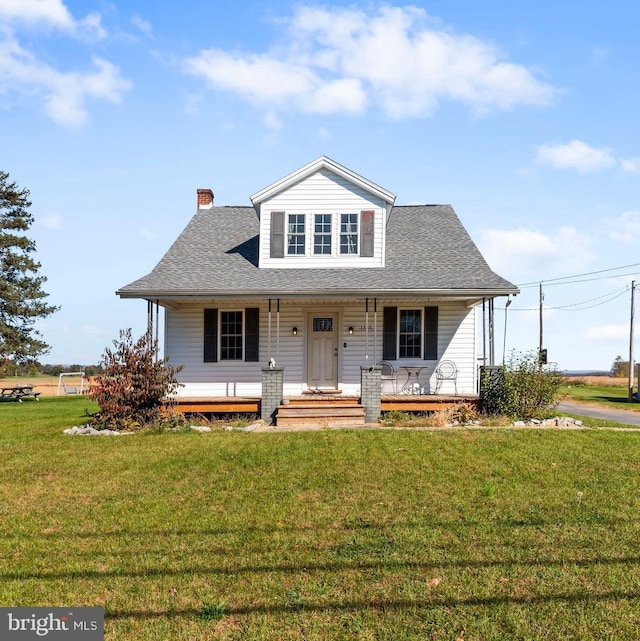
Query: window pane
[323,324]
[410,334]
[348,233]
[231,336]
[295,234]
[322,234]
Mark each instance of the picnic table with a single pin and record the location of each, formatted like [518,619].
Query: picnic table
[18,392]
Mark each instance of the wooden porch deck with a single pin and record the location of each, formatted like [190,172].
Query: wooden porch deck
[388,402]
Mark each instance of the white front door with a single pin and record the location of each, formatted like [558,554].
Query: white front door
[322,351]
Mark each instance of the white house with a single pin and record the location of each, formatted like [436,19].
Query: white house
[323,274]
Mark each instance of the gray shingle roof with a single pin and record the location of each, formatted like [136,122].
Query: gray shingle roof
[428,249]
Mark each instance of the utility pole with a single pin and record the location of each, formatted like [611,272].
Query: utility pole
[541,334]
[633,290]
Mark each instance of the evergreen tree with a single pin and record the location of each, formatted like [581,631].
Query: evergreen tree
[22,300]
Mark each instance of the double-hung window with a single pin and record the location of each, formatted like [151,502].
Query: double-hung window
[410,333]
[296,235]
[322,234]
[231,336]
[348,233]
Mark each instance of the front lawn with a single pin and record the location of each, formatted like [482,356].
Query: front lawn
[372,534]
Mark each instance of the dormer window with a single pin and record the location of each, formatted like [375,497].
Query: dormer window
[348,233]
[327,236]
[296,235]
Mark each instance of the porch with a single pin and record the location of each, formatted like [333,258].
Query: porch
[388,402]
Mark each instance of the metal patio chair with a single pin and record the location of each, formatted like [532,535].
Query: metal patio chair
[446,371]
[388,373]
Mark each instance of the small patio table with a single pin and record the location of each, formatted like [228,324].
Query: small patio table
[412,384]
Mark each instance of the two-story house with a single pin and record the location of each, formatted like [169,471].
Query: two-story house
[321,275]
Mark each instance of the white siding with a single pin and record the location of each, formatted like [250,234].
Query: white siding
[184,346]
[322,193]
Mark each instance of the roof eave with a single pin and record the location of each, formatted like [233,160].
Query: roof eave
[460,294]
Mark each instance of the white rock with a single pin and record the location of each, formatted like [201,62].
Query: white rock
[200,428]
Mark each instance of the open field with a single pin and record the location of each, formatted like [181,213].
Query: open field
[324,535]
[46,385]
[598,381]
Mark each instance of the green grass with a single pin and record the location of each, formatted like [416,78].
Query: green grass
[615,397]
[382,535]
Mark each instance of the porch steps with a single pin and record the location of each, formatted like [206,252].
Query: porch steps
[325,413]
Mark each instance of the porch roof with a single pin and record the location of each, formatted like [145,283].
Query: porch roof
[428,253]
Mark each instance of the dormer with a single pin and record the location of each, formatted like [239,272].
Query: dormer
[322,216]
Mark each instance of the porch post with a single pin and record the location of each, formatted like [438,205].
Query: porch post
[366,331]
[371,391]
[272,386]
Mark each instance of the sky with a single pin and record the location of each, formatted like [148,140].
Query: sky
[521,115]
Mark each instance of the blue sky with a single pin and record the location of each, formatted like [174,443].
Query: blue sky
[522,115]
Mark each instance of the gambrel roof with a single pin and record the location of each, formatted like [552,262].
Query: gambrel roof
[428,252]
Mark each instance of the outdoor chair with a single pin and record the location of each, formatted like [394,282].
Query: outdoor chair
[446,371]
[388,373]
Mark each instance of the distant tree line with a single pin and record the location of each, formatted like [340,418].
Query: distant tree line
[10,367]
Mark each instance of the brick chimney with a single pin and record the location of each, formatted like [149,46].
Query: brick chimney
[205,199]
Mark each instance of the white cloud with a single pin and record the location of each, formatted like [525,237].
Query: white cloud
[267,81]
[344,60]
[272,121]
[630,165]
[529,253]
[575,155]
[50,13]
[625,228]
[608,333]
[142,24]
[64,93]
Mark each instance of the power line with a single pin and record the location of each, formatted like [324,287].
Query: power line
[600,271]
[547,283]
[565,308]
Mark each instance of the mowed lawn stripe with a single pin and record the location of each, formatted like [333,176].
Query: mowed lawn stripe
[349,534]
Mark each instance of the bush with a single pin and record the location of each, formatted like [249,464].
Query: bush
[134,386]
[522,389]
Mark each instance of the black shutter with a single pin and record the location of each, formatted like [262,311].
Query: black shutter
[389,333]
[277,234]
[367,219]
[210,335]
[430,333]
[252,334]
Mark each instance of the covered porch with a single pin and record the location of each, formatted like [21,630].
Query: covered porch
[388,402]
